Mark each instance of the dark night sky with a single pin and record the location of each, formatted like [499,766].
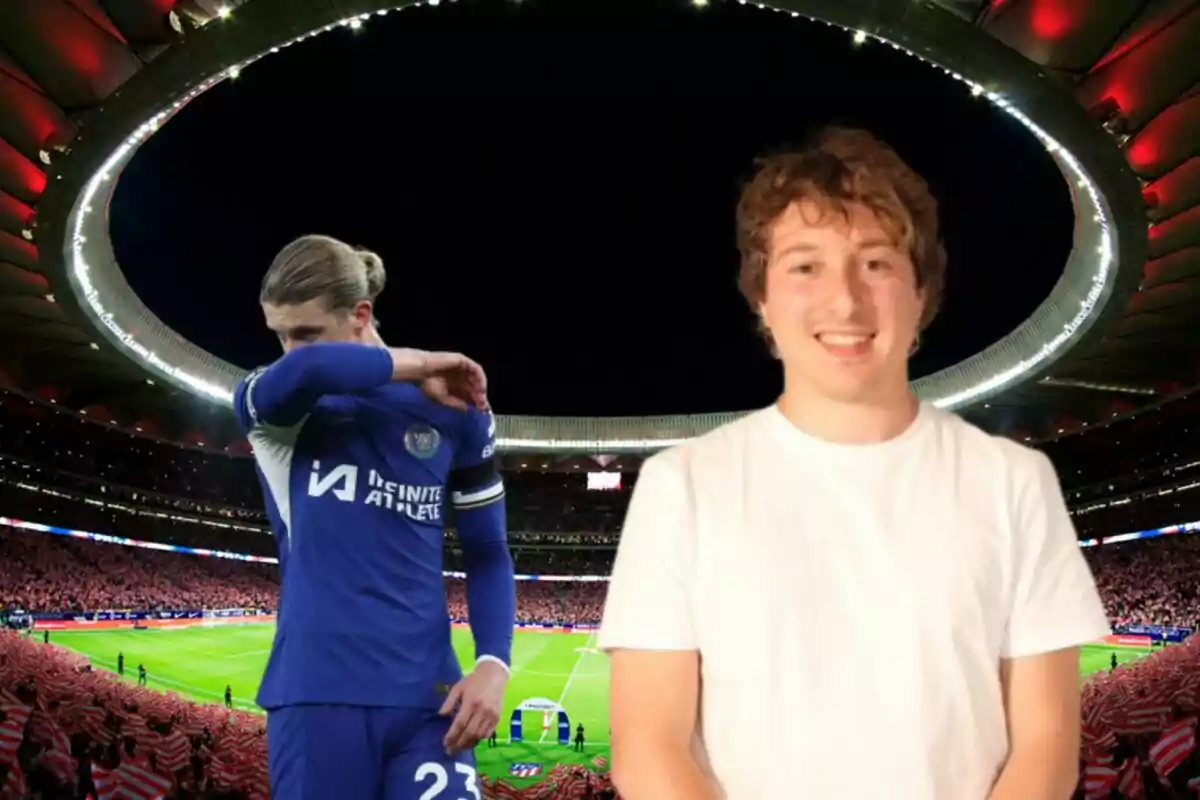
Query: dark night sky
[551,186]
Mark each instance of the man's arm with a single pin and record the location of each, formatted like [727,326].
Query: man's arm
[1041,704]
[491,589]
[653,703]
[477,495]
[647,629]
[284,392]
[1055,608]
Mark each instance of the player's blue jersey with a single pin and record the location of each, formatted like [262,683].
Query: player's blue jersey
[357,486]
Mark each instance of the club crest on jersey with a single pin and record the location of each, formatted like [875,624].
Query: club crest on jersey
[421,441]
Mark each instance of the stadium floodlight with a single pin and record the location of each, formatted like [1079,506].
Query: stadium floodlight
[985,69]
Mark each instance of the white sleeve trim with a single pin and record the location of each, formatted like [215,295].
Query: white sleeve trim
[249,399]
[494,660]
[477,497]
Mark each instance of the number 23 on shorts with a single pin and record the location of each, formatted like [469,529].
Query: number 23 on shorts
[436,780]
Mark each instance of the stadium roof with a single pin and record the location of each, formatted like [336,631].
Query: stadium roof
[82,80]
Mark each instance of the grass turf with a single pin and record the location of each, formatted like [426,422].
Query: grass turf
[199,662]
[563,667]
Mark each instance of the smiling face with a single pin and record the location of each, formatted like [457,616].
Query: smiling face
[841,301]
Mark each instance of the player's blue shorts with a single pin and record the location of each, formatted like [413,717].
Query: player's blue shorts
[326,752]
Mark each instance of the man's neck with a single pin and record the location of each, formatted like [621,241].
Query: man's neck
[371,337]
[870,421]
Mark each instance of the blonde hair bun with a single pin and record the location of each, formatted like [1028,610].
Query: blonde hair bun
[376,274]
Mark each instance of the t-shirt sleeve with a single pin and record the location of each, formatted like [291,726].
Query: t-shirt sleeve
[1055,603]
[649,597]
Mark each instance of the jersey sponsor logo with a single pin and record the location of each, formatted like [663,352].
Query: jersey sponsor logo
[418,503]
[525,769]
[421,441]
[342,480]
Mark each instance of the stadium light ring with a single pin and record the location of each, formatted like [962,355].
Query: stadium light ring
[1104,189]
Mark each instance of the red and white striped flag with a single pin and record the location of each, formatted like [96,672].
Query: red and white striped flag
[1139,721]
[136,781]
[1173,747]
[1098,781]
[221,775]
[12,730]
[59,764]
[1130,784]
[104,781]
[43,729]
[174,753]
[14,783]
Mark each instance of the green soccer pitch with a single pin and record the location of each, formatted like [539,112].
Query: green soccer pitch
[198,662]
[564,667]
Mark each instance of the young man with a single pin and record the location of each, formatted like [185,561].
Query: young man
[899,590]
[359,449]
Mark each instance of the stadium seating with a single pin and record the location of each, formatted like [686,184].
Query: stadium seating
[1147,582]
[55,573]
[40,438]
[1138,473]
[1139,730]
[66,730]
[64,725]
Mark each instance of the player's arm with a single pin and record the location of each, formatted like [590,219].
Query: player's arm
[477,496]
[1055,608]
[283,393]
[647,630]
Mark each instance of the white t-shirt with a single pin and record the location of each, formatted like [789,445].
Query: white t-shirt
[851,603]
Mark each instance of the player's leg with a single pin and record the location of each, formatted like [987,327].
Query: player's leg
[321,752]
[419,769]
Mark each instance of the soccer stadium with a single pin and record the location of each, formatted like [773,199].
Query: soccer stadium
[138,573]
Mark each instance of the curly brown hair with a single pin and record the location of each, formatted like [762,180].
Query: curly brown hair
[842,166]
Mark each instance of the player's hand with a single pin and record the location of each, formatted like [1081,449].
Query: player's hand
[449,378]
[475,702]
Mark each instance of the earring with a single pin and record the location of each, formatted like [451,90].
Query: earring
[916,345]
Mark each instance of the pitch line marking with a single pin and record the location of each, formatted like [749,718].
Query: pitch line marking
[536,674]
[570,680]
[241,655]
[109,666]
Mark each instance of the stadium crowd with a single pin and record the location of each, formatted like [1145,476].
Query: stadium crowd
[39,572]
[44,443]
[46,573]
[67,731]
[1144,582]
[149,489]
